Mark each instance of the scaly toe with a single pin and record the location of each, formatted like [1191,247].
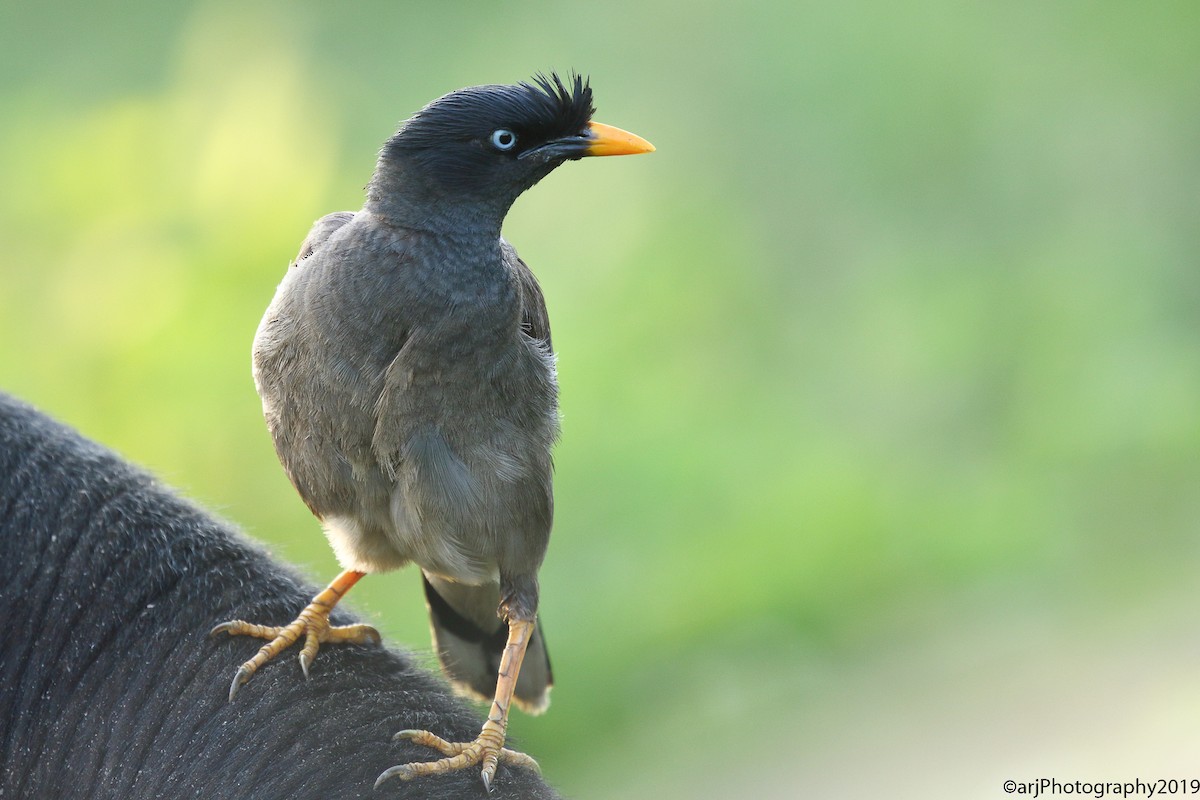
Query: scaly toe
[432,741]
[354,634]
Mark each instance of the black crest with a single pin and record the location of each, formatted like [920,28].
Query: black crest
[542,109]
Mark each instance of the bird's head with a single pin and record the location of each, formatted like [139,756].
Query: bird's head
[471,153]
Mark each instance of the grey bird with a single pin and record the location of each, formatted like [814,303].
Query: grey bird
[408,381]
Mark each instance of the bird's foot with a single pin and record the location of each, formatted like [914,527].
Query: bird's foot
[312,623]
[486,751]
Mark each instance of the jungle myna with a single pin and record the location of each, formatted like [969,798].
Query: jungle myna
[408,381]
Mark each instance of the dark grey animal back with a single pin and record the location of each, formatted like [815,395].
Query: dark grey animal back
[110,686]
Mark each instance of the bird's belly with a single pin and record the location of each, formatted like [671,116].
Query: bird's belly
[472,475]
[361,546]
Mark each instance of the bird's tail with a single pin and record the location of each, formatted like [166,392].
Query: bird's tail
[469,639]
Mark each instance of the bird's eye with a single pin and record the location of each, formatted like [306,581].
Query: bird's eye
[504,139]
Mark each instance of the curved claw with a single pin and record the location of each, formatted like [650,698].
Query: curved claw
[240,679]
[304,662]
[224,627]
[402,772]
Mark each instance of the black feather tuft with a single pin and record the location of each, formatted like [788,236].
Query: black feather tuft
[544,109]
[564,109]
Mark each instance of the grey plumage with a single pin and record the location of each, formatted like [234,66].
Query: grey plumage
[408,404]
[407,378]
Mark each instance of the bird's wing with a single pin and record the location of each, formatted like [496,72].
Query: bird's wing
[534,320]
[321,230]
[307,380]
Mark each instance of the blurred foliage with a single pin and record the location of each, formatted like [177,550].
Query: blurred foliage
[901,319]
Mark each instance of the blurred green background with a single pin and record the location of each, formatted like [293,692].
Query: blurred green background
[880,379]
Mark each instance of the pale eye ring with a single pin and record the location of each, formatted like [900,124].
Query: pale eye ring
[504,139]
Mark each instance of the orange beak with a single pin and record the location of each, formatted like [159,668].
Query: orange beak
[605,140]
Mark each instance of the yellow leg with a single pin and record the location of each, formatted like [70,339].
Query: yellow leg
[487,750]
[313,622]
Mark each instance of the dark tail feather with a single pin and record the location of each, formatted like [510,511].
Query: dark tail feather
[469,639]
